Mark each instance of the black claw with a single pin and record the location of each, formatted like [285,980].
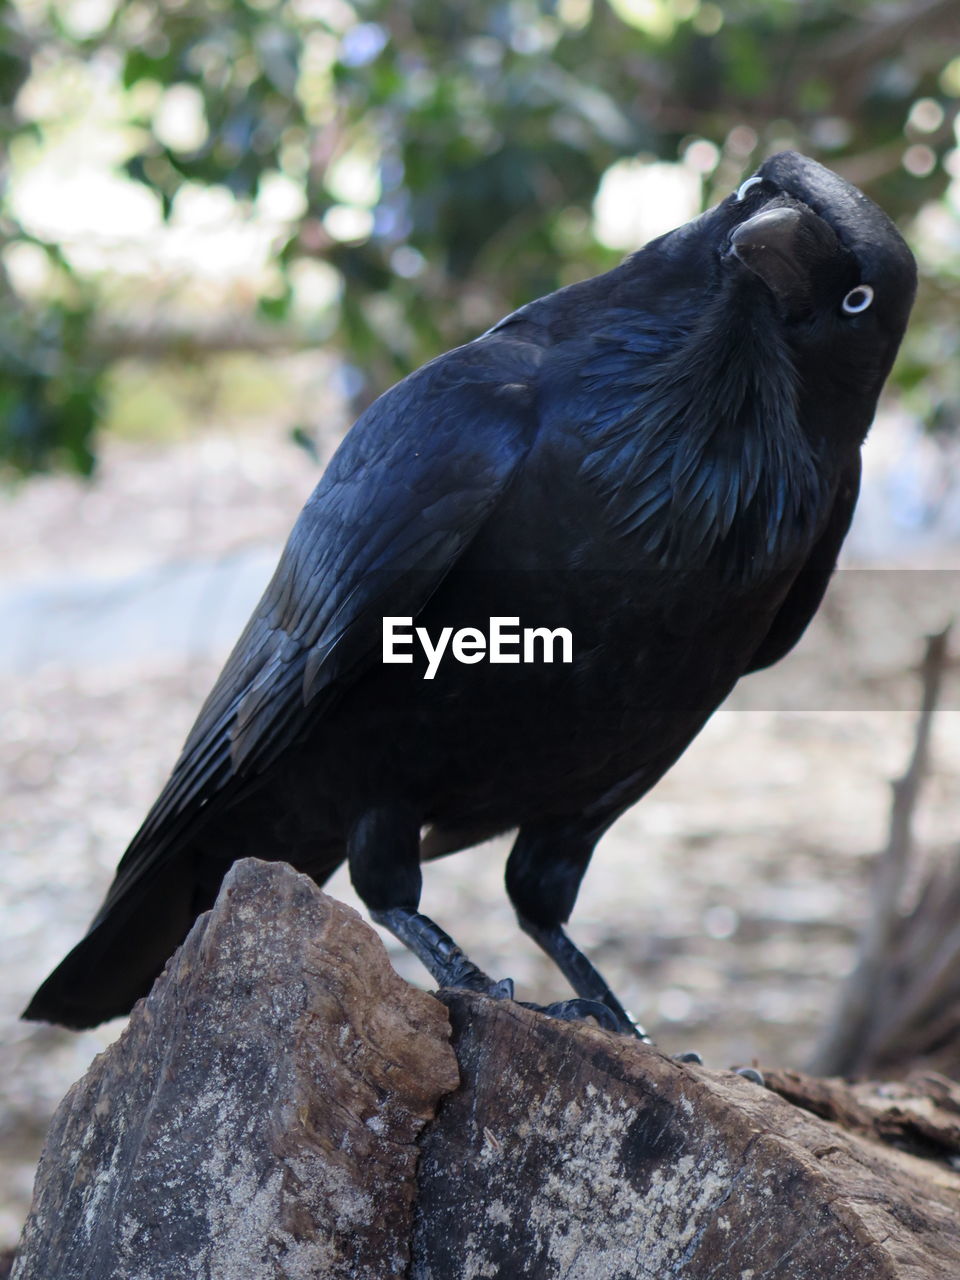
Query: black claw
[690,1056]
[499,990]
[752,1074]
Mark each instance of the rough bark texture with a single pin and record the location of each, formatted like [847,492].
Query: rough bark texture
[575,1153]
[259,1116]
[264,1113]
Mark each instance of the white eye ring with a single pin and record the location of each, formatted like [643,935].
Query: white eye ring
[858,300]
[745,186]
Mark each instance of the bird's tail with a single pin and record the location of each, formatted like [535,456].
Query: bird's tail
[139,927]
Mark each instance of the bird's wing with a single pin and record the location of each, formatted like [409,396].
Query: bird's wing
[807,590]
[405,494]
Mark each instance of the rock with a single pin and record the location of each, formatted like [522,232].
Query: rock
[569,1153]
[282,1105]
[259,1115]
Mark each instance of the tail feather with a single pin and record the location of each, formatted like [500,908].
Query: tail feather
[124,951]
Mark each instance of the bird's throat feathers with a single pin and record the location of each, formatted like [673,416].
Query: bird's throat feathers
[705,453]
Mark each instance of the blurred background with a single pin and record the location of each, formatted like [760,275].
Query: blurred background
[226,227]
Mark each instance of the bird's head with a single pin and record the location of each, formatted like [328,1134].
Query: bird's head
[833,264]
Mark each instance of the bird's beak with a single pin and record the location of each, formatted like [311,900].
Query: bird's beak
[768,245]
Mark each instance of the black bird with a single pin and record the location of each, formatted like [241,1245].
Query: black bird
[663,459]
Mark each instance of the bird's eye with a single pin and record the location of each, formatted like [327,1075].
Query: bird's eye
[745,186]
[858,299]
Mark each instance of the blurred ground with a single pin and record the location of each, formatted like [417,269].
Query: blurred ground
[723,909]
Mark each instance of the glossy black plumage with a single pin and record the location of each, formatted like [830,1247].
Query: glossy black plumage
[663,459]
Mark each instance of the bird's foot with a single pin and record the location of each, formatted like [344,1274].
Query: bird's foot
[575,1010]
[480,984]
[751,1074]
[590,985]
[499,990]
[578,1010]
[452,970]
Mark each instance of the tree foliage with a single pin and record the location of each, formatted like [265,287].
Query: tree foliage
[448,155]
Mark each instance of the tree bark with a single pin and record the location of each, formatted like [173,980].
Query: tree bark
[283,1105]
[258,1117]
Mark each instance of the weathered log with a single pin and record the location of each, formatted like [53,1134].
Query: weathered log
[580,1154]
[259,1115]
[283,1105]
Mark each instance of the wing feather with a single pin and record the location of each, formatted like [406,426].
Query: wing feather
[404,495]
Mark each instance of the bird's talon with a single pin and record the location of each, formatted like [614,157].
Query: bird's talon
[751,1074]
[502,990]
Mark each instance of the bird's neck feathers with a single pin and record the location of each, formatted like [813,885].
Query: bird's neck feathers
[697,445]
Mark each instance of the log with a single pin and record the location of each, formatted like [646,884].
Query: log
[283,1105]
[258,1117]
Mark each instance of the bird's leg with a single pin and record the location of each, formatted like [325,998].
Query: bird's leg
[450,967]
[438,952]
[544,871]
[585,979]
[383,848]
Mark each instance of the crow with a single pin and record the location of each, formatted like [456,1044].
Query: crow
[662,461]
